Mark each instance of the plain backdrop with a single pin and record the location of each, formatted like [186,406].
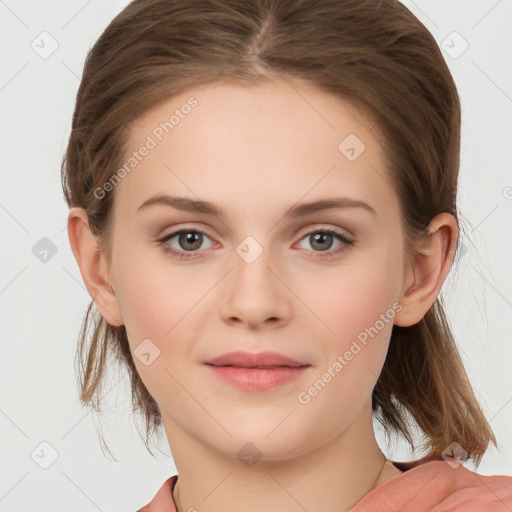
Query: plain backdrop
[42,303]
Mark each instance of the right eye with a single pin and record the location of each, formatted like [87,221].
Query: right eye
[188,240]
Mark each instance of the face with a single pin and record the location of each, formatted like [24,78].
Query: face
[262,274]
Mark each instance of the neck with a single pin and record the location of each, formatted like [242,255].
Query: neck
[332,477]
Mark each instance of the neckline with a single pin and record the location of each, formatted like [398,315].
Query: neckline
[407,468]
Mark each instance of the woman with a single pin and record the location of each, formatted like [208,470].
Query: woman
[309,152]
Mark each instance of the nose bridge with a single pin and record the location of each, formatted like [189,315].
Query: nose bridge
[252,263]
[255,294]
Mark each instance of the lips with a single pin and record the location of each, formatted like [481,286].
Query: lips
[256,372]
[241,359]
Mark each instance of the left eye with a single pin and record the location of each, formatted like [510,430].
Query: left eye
[323,239]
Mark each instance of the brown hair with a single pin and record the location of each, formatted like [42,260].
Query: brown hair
[374,53]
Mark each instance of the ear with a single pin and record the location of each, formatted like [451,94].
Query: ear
[426,273]
[93,266]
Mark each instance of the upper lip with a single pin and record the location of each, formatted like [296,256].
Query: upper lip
[254,360]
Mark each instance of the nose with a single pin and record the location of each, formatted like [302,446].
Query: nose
[257,295]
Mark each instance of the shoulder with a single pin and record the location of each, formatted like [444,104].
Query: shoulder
[439,487]
[163,500]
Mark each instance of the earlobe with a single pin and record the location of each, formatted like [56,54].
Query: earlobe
[431,263]
[93,266]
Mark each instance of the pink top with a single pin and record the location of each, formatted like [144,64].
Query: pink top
[423,486]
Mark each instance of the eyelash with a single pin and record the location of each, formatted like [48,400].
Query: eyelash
[190,254]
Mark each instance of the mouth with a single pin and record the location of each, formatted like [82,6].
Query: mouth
[258,360]
[253,367]
[256,371]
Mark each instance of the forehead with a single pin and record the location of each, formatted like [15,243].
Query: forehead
[274,140]
[280,102]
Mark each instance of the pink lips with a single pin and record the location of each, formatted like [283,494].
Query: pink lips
[256,371]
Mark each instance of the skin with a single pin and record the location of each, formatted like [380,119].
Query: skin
[256,151]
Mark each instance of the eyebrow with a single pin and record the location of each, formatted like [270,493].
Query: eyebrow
[297,210]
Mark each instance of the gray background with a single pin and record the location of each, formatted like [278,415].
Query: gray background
[42,303]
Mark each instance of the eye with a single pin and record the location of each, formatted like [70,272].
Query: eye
[323,239]
[188,240]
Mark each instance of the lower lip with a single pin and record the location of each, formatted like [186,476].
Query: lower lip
[255,379]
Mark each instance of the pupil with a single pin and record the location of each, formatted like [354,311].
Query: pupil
[320,238]
[190,238]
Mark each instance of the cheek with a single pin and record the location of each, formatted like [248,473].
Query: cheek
[151,293]
[354,299]
[161,303]
[360,311]
[357,313]
[153,311]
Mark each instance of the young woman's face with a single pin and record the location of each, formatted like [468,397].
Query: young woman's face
[269,274]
